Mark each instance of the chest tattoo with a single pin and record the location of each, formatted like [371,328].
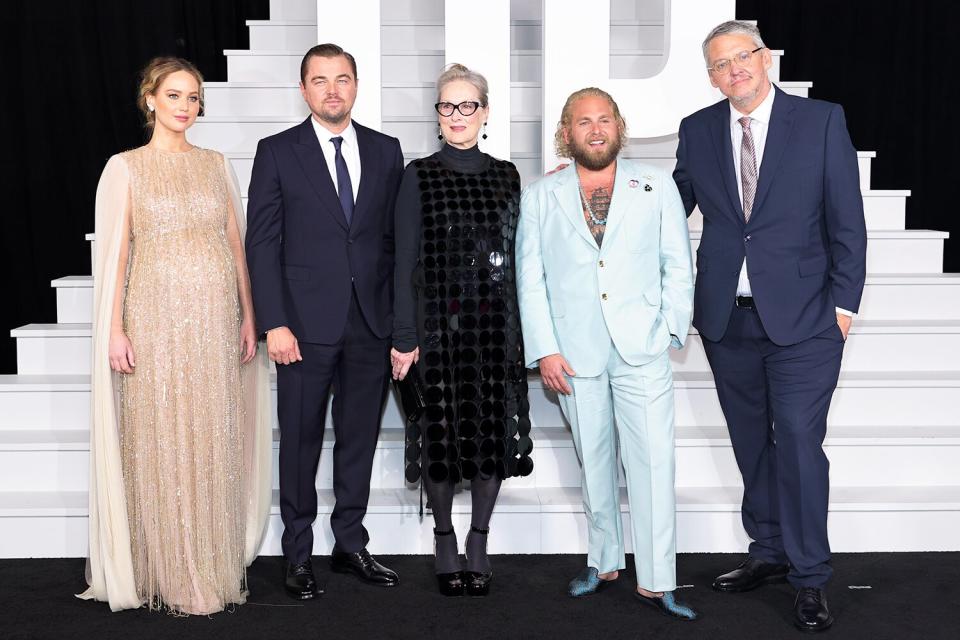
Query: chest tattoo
[596,206]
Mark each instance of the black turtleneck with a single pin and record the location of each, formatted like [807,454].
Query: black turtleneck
[470,160]
[408,219]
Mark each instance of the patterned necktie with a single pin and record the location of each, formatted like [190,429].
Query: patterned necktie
[344,186]
[748,168]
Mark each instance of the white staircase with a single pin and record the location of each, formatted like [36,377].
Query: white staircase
[894,431]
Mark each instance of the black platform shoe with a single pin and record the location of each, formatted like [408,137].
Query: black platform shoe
[450,584]
[478,583]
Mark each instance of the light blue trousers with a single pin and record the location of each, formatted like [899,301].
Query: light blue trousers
[639,399]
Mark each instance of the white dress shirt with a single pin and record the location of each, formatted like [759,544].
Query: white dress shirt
[759,124]
[349,148]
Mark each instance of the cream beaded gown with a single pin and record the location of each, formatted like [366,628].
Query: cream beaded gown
[187,447]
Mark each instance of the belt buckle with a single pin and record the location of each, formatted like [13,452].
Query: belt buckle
[744,302]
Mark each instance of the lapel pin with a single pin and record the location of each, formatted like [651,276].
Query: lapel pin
[634,184]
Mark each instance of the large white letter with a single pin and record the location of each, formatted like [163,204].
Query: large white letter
[576,54]
[480,39]
[355,26]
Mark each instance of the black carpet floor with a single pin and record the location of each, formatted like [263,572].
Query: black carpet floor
[875,596]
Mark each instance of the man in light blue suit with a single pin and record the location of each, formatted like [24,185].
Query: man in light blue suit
[605,286]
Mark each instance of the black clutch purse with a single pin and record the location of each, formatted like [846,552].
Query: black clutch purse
[410,390]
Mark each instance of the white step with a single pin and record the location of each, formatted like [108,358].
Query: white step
[401,66]
[422,10]
[536,520]
[292,35]
[873,345]
[413,64]
[74,298]
[57,460]
[922,300]
[862,399]
[222,99]
[293,10]
[893,251]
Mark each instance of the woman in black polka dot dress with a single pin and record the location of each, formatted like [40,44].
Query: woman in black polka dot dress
[456,315]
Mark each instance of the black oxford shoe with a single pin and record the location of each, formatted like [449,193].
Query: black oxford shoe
[300,583]
[365,567]
[751,574]
[810,611]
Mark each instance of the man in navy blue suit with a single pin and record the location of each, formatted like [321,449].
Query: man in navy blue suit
[780,273]
[320,251]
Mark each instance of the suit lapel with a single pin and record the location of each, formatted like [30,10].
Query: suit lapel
[778,134]
[724,150]
[368,175]
[310,155]
[567,193]
[623,199]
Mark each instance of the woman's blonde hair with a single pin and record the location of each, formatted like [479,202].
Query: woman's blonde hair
[153,76]
[561,146]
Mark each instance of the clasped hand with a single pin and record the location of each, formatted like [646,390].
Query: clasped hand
[400,363]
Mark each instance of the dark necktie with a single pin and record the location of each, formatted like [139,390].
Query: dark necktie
[748,168]
[344,186]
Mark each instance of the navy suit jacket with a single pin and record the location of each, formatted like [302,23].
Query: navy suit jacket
[806,241]
[303,258]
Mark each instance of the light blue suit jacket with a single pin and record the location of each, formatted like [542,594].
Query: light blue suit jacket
[637,288]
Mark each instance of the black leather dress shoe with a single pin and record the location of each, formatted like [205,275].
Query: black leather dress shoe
[751,574]
[365,567]
[810,611]
[300,583]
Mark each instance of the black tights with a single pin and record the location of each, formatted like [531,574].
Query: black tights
[483,496]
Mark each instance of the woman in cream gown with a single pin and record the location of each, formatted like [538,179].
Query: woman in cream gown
[180,433]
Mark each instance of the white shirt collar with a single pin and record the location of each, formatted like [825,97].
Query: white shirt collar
[349,134]
[760,114]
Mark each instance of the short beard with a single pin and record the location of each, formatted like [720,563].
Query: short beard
[334,118]
[744,101]
[583,156]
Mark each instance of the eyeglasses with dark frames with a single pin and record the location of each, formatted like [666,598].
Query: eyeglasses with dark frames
[467,108]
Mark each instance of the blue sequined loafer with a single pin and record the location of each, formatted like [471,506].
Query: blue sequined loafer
[668,606]
[586,583]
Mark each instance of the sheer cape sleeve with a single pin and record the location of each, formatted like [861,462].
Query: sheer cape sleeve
[110,563]
[257,424]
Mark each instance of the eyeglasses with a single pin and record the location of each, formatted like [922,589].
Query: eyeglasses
[722,67]
[468,108]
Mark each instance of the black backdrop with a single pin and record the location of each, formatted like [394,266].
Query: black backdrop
[69,80]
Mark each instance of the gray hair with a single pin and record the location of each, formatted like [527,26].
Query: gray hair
[732,27]
[456,72]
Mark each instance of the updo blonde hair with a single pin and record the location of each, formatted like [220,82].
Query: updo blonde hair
[457,71]
[153,76]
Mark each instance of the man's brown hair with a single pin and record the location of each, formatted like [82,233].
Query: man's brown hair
[325,50]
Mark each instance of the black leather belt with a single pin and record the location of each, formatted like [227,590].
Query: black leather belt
[745,302]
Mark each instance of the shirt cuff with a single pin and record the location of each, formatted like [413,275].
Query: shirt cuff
[844,312]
